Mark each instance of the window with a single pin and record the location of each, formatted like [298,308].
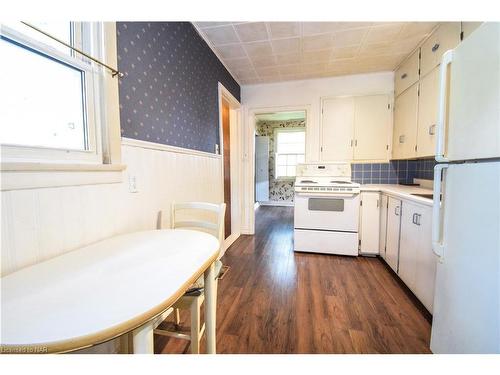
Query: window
[290,150]
[50,97]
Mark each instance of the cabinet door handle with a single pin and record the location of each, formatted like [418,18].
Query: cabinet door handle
[404,75]
[417,219]
[396,210]
[435,47]
[351,142]
[402,138]
[414,220]
[432,129]
[355,143]
[377,203]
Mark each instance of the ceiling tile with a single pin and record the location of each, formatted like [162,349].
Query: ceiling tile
[252,31]
[284,29]
[301,50]
[345,52]
[264,60]
[267,71]
[316,56]
[349,37]
[221,35]
[385,33]
[289,69]
[313,67]
[286,46]
[412,29]
[258,49]
[231,51]
[292,58]
[240,62]
[311,43]
[312,28]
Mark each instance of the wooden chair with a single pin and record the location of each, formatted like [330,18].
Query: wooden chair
[195,296]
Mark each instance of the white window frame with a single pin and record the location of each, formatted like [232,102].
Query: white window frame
[277,154]
[26,167]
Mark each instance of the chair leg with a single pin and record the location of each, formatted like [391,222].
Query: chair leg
[195,327]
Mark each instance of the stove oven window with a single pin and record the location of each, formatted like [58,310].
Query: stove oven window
[290,150]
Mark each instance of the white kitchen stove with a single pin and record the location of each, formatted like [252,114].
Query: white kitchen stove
[326,215]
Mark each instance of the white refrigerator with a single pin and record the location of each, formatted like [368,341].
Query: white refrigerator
[466,223]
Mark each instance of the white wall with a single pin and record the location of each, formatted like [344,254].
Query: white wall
[307,93]
[38,224]
[310,92]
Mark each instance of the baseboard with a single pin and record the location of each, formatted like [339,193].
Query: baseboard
[229,241]
[277,203]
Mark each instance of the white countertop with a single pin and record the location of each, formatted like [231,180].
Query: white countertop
[401,191]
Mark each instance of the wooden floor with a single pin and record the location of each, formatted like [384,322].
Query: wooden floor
[273,300]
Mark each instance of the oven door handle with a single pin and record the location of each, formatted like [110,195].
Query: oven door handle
[325,194]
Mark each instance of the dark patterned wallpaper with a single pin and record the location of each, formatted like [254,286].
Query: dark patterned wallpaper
[169,92]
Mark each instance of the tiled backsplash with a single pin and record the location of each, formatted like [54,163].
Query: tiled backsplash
[394,172]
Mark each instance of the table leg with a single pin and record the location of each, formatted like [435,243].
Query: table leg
[210,307]
[143,339]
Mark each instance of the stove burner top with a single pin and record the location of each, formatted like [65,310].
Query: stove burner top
[340,182]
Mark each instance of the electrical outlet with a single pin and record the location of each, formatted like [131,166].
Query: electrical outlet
[132,184]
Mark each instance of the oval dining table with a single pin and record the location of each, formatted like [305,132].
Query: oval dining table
[107,289]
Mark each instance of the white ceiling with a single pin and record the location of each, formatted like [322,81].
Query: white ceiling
[261,52]
[281,116]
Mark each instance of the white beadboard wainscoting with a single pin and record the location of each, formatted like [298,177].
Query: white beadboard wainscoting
[38,224]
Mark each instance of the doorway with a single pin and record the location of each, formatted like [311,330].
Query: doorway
[230,147]
[279,147]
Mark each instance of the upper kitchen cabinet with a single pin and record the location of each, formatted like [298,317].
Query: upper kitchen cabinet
[337,129]
[427,113]
[404,141]
[356,128]
[468,28]
[446,36]
[407,74]
[372,126]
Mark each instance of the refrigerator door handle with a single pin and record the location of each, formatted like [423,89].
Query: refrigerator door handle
[437,241]
[440,128]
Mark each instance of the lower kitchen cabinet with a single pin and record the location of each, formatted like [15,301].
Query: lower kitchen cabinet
[384,200]
[369,223]
[392,237]
[417,263]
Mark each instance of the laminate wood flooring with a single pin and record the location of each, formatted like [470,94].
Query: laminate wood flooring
[273,300]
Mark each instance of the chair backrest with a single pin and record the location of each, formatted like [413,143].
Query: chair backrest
[216,228]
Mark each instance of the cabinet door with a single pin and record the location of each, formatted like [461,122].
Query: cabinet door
[407,73]
[383,224]
[372,120]
[405,124]
[408,245]
[393,226]
[468,28]
[369,223]
[427,113]
[426,260]
[446,37]
[337,129]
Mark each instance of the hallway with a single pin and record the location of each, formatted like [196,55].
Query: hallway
[273,300]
